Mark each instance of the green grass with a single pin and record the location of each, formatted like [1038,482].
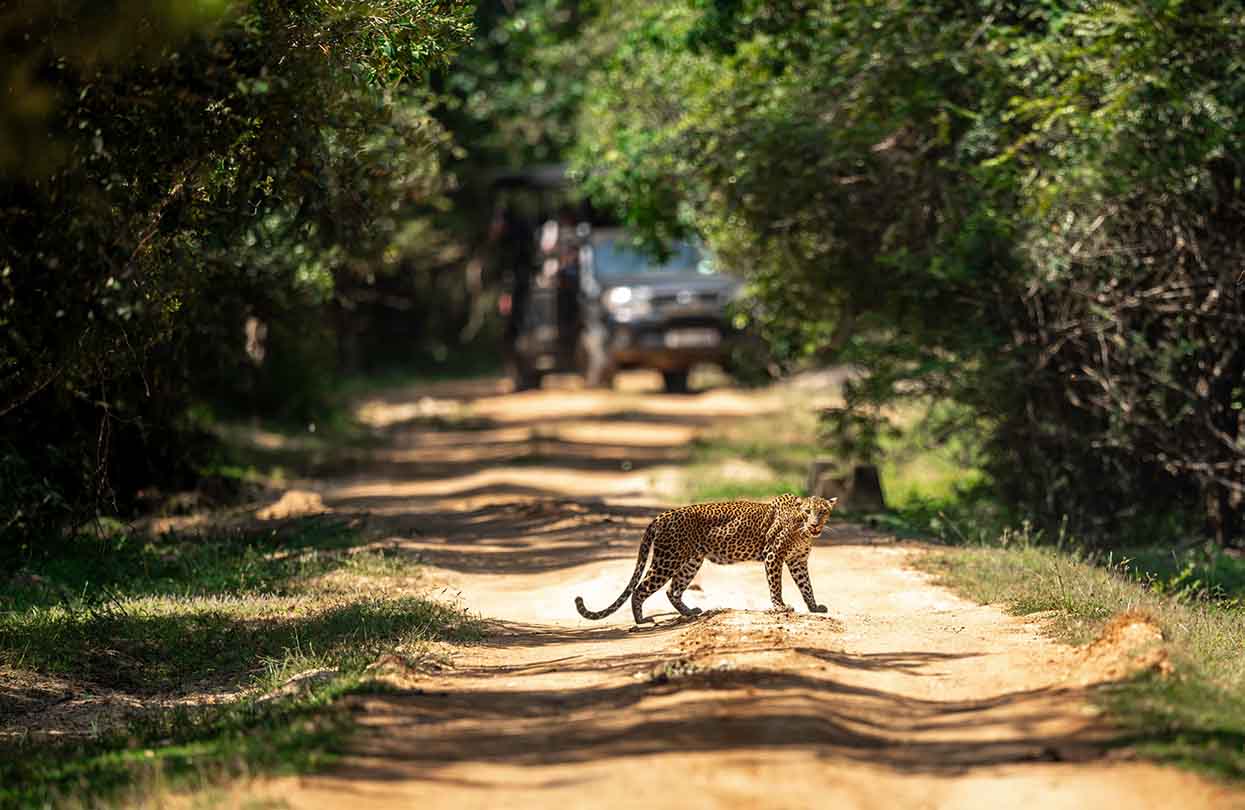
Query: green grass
[182,750]
[917,470]
[925,482]
[269,456]
[735,491]
[775,451]
[241,610]
[156,643]
[87,569]
[1200,571]
[1194,717]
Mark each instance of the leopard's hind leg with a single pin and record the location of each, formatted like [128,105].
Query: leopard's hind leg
[678,584]
[662,568]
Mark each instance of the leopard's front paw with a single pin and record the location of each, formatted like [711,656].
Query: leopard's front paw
[818,609]
[782,609]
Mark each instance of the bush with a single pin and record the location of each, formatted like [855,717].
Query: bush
[205,163]
[1033,212]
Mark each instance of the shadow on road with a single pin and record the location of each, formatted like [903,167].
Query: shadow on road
[710,711]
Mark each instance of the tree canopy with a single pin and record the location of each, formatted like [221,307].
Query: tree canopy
[1030,210]
[171,169]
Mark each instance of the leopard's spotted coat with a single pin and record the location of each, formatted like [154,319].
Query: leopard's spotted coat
[780,531]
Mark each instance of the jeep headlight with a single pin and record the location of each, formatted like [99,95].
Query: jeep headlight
[628,303]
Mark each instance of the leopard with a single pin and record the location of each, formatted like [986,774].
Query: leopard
[780,531]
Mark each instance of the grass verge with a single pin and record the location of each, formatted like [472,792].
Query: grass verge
[200,636]
[180,750]
[1194,717]
[764,456]
[754,458]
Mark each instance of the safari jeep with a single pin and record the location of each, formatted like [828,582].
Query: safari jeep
[620,308]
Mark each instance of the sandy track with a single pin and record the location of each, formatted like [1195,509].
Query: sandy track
[903,695]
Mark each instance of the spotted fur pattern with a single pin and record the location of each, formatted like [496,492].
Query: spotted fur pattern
[775,533]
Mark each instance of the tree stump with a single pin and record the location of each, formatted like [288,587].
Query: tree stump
[858,489]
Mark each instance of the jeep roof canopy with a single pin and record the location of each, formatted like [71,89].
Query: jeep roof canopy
[544,188]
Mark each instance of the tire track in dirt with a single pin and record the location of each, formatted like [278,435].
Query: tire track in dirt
[903,695]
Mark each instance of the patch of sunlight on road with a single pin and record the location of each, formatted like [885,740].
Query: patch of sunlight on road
[548,480]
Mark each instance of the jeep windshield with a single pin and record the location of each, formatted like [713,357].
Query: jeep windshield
[614,256]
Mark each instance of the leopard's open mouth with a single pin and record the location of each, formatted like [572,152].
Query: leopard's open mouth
[814,531]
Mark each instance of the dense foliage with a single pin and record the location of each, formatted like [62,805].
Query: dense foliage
[175,171]
[512,97]
[1031,211]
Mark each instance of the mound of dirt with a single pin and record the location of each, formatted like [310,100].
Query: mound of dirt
[294,503]
[1131,643]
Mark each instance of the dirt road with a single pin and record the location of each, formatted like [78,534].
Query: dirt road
[903,695]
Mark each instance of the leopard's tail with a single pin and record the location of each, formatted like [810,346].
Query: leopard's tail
[641,559]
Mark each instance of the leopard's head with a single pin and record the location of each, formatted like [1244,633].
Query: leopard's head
[816,511]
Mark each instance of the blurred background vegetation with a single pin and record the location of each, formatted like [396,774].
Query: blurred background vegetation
[1025,217]
[1028,216]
